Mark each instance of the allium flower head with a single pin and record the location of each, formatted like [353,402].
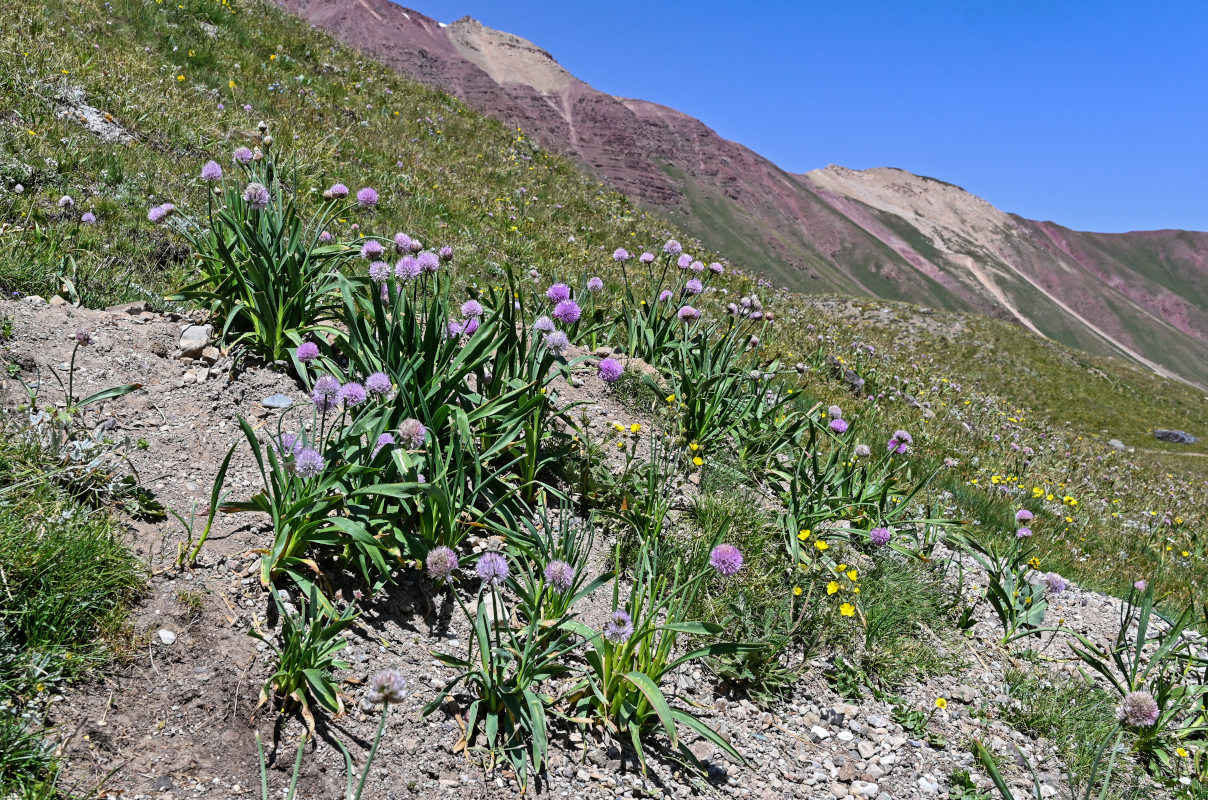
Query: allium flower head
[367,197]
[492,568]
[558,292]
[716,268]
[442,563]
[471,308]
[372,250]
[664,295]
[256,196]
[308,463]
[456,328]
[379,271]
[82,337]
[863,451]
[1055,582]
[242,155]
[673,248]
[567,312]
[211,171]
[412,433]
[407,269]
[378,383]
[429,262]
[684,261]
[402,243]
[560,575]
[544,325]
[325,237]
[445,253]
[353,393]
[416,245]
[382,441]
[834,411]
[307,352]
[595,284]
[66,202]
[470,326]
[646,258]
[610,370]
[161,212]
[1023,532]
[1139,710]
[289,445]
[557,342]
[619,627]
[726,559]
[880,536]
[696,266]
[1141,585]
[620,254]
[838,425]
[693,287]
[688,314]
[88,218]
[387,686]
[1023,515]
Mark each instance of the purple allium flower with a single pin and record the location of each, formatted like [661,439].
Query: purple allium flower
[1139,710]
[1023,515]
[242,155]
[308,463]
[619,627]
[1023,533]
[544,325]
[378,383]
[1055,582]
[367,197]
[903,436]
[838,425]
[382,441]
[471,325]
[456,328]
[863,451]
[402,243]
[82,337]
[379,271]
[880,536]
[693,287]
[88,218]
[338,191]
[595,284]
[610,370]
[407,269]
[386,687]
[558,292]
[353,393]
[289,445]
[442,563]
[560,575]
[325,237]
[620,254]
[684,261]
[372,250]
[716,268]
[673,248]
[834,411]
[1141,585]
[429,262]
[557,342]
[416,245]
[66,202]
[696,266]
[471,308]
[664,295]
[412,433]
[726,559]
[211,171]
[256,196]
[646,258]
[307,352]
[688,314]
[492,568]
[899,443]
[445,253]
[161,213]
[567,312]
[328,385]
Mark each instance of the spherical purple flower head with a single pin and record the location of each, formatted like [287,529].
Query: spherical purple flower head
[442,563]
[557,342]
[308,463]
[367,197]
[834,411]
[492,568]
[385,687]
[456,329]
[402,243]
[372,250]
[382,441]
[325,237]
[379,271]
[471,308]
[1139,710]
[558,292]
[326,393]
[407,269]
[289,445]
[560,575]
[620,254]
[242,155]
[416,245]
[726,559]
[838,425]
[646,258]
[696,266]
[82,337]
[1023,515]
[429,262]
[595,284]
[567,312]
[716,268]
[412,433]
[88,218]
[445,253]
[1055,582]
[693,287]
[619,627]
[673,248]
[471,326]
[378,383]
[899,443]
[880,536]
[1023,533]
[544,325]
[161,213]
[684,261]
[1141,585]
[307,352]
[610,370]
[338,191]
[211,171]
[66,202]
[664,295]
[256,196]
[353,393]
[688,314]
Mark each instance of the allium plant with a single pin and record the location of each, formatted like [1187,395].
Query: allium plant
[1019,604]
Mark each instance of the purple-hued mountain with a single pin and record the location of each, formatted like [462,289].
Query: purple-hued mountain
[880,232]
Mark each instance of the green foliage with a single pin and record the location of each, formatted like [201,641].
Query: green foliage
[1019,604]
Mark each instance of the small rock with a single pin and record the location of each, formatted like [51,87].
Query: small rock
[277,401]
[195,339]
[57,301]
[1115,444]
[1178,437]
[838,790]
[210,355]
[35,300]
[166,636]
[136,307]
[966,694]
[162,784]
[865,789]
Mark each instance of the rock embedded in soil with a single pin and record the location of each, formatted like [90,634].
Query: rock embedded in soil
[195,339]
[1177,437]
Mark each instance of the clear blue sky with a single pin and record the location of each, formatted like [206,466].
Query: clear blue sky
[1092,114]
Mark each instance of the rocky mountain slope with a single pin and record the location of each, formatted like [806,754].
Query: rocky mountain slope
[880,232]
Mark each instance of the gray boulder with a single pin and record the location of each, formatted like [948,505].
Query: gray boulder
[1178,437]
